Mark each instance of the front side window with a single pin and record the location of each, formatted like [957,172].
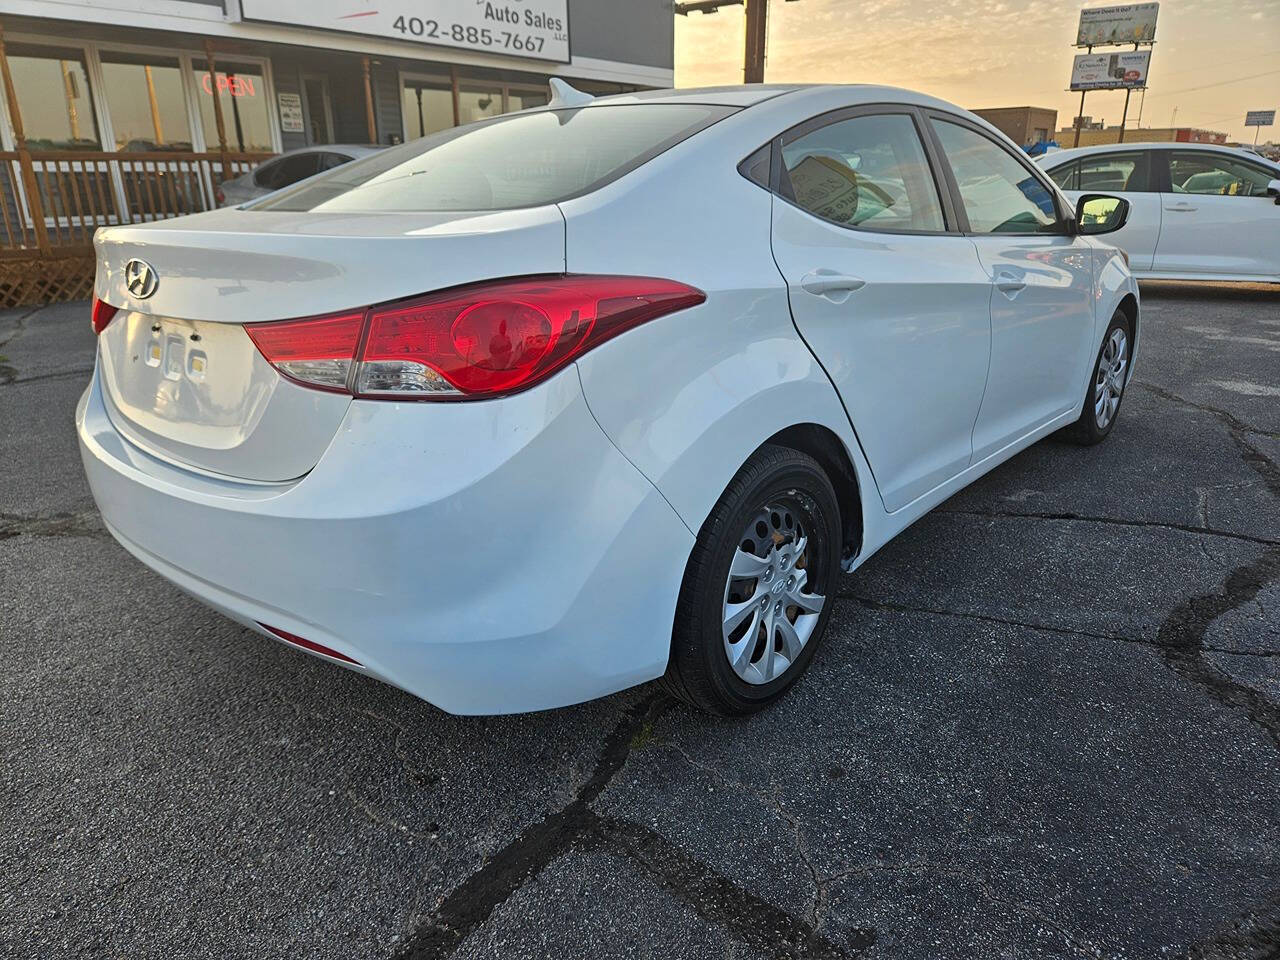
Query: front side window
[523,160]
[245,115]
[867,171]
[1000,195]
[52,84]
[1207,173]
[146,102]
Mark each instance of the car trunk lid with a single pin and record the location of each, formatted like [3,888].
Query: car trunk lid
[183,380]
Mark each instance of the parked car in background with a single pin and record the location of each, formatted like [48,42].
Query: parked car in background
[287,169]
[1197,212]
[533,410]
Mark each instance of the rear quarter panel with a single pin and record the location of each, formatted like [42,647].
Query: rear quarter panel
[688,397]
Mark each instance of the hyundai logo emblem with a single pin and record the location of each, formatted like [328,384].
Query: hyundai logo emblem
[140,278]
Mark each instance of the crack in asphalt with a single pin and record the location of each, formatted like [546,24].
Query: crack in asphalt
[577,827]
[1253,935]
[85,523]
[1116,521]
[12,378]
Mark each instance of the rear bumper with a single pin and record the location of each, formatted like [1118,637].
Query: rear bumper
[486,557]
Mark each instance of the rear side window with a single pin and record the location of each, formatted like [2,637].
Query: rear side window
[522,160]
[1000,195]
[1111,172]
[1065,175]
[867,171]
[287,170]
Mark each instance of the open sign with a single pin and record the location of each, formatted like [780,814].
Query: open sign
[234,85]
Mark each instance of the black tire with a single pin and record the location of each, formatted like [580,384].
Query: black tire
[1086,431]
[699,671]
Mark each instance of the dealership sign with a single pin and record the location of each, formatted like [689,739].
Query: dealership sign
[1259,118]
[1134,23]
[1110,71]
[536,29]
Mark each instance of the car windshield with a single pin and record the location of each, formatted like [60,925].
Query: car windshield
[523,160]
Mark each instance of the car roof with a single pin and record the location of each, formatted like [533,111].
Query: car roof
[1059,157]
[355,149]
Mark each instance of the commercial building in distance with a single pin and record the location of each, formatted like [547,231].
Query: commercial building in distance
[106,75]
[1091,136]
[1023,125]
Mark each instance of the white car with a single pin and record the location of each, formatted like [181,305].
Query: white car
[1197,212]
[557,403]
[287,169]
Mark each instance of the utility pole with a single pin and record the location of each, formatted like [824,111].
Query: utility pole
[757,12]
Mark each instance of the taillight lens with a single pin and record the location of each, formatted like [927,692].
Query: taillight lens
[102,314]
[478,341]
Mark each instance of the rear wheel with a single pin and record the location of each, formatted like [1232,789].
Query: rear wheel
[757,591]
[1106,388]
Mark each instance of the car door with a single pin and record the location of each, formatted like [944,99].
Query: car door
[1218,218]
[884,289]
[1042,283]
[1128,175]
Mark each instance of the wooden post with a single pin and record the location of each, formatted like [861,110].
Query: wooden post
[453,85]
[212,67]
[29,182]
[1124,116]
[368,101]
[753,61]
[1079,119]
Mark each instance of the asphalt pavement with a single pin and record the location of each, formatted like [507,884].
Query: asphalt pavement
[1045,723]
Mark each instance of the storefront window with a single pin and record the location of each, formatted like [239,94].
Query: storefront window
[52,84]
[427,107]
[524,99]
[475,102]
[246,115]
[145,100]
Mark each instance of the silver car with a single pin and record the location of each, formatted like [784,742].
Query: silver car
[289,168]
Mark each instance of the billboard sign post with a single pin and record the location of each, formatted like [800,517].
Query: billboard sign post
[1133,23]
[1259,119]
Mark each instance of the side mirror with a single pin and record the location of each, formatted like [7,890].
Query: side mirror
[1273,190]
[1098,213]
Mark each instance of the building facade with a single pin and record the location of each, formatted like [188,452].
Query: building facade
[133,75]
[1023,125]
[1091,136]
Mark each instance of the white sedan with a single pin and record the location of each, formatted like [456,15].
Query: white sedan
[557,403]
[1198,212]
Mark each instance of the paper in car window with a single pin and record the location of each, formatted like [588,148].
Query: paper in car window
[827,187]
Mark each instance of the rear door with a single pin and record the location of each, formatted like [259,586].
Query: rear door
[1218,218]
[1130,175]
[884,289]
[1042,283]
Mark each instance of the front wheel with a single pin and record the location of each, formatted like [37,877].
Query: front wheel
[1106,388]
[757,593]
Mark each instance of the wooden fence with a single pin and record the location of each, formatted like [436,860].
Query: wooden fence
[52,202]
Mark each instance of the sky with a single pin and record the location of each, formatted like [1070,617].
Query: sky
[992,53]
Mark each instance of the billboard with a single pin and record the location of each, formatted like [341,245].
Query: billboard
[1259,118]
[535,29]
[1133,23]
[1110,71]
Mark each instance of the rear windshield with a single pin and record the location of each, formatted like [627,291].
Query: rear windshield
[523,160]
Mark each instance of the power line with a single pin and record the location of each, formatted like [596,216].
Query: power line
[1220,83]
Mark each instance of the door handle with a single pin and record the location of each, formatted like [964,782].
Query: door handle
[825,283]
[1181,208]
[1009,285]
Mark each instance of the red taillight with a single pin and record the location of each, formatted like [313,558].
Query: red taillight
[102,315]
[318,351]
[470,342]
